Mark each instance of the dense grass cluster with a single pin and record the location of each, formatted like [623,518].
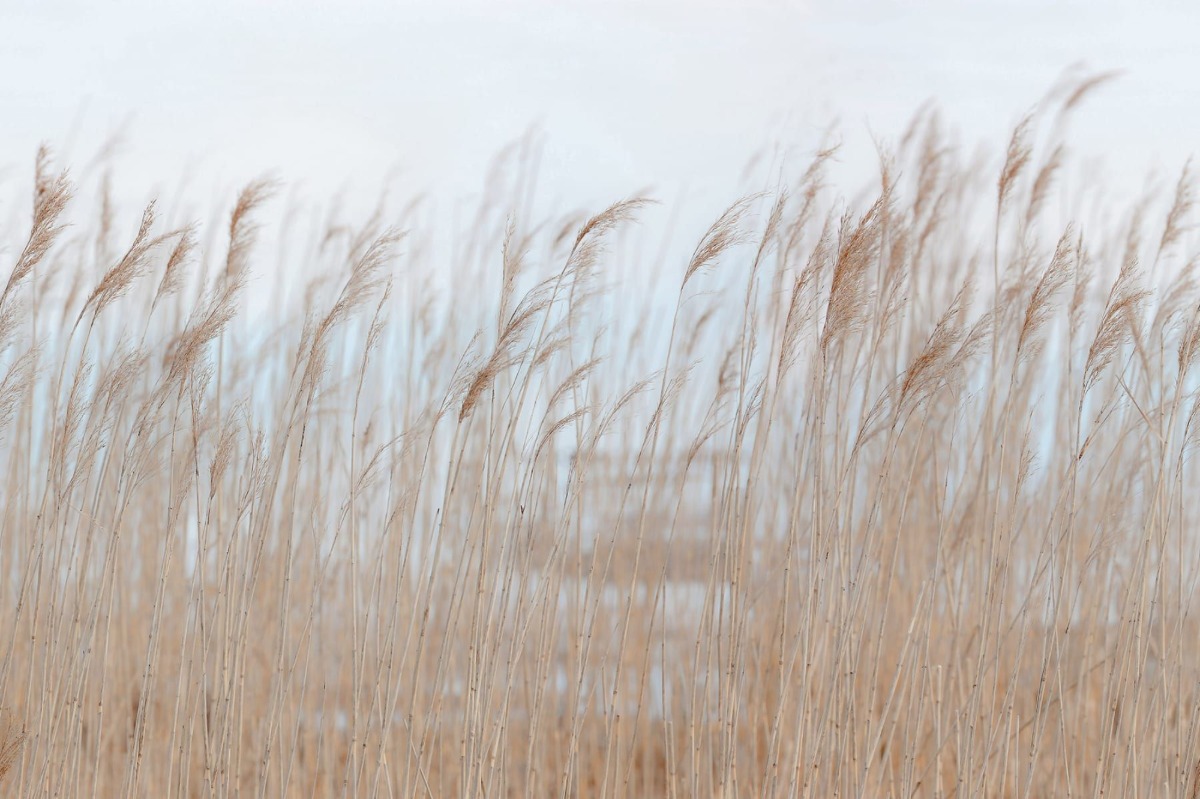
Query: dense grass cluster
[894,501]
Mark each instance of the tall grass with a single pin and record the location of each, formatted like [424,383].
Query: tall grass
[894,500]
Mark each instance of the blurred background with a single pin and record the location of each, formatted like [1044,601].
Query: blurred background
[677,96]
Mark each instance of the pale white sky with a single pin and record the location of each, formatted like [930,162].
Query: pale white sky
[675,95]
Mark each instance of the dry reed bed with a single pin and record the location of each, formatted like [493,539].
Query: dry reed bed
[896,504]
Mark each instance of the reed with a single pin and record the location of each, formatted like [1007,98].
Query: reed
[475,508]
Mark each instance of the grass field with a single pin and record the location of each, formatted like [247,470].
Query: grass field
[895,499]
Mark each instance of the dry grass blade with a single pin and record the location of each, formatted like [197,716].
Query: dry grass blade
[1015,161]
[172,278]
[1085,88]
[1120,319]
[802,304]
[1043,182]
[723,234]
[1185,200]
[132,265]
[1189,343]
[857,249]
[928,368]
[609,219]
[513,256]
[508,350]
[573,381]
[50,197]
[210,319]
[554,428]
[589,241]
[12,737]
[367,276]
[243,229]
[1054,278]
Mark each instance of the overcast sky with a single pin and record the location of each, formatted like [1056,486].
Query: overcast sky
[675,95]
